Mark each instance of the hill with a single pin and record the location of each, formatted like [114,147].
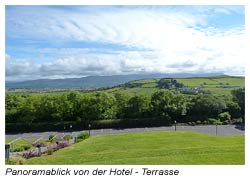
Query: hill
[92,81]
[150,148]
[216,85]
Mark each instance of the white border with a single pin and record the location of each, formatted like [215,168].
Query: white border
[187,172]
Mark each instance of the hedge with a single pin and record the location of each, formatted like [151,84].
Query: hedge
[77,126]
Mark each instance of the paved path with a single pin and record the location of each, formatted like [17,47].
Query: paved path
[222,130]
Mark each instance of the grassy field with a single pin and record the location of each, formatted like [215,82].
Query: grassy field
[149,86]
[211,84]
[151,148]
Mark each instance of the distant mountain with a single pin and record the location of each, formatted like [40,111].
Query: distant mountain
[94,81]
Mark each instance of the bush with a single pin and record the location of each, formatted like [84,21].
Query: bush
[15,161]
[51,137]
[50,151]
[191,123]
[41,144]
[62,144]
[82,136]
[219,123]
[212,121]
[67,137]
[224,117]
[79,126]
[216,122]
[198,122]
[29,154]
[205,122]
[238,121]
[22,148]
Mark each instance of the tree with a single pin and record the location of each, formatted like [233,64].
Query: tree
[179,85]
[234,109]
[122,101]
[103,106]
[239,97]
[203,107]
[138,106]
[48,109]
[168,105]
[26,109]
[165,83]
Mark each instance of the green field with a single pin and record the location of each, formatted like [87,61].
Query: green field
[149,86]
[179,148]
[211,84]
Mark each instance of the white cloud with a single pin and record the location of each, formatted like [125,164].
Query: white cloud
[177,40]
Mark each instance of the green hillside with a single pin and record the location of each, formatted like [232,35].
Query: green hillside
[218,85]
[150,148]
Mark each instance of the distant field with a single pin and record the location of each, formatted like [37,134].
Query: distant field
[149,86]
[211,84]
[141,90]
[151,148]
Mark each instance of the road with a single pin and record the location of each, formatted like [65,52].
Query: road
[222,130]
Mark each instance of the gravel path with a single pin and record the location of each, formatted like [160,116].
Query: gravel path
[222,130]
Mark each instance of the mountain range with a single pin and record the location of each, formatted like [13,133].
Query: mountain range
[95,81]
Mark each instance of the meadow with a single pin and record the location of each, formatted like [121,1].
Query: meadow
[149,86]
[218,85]
[152,148]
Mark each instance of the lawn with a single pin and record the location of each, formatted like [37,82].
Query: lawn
[151,148]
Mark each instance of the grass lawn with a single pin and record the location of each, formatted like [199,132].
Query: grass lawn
[151,148]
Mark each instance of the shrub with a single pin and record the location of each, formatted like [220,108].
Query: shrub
[50,151]
[216,122]
[62,144]
[16,161]
[198,122]
[82,136]
[205,122]
[29,154]
[238,121]
[219,123]
[51,137]
[212,121]
[22,148]
[67,137]
[39,143]
[191,123]
[224,117]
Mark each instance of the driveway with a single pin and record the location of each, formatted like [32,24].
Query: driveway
[222,130]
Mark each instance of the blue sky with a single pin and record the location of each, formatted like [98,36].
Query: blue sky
[76,41]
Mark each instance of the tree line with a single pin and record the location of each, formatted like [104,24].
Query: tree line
[163,105]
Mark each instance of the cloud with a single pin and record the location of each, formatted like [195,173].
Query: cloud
[20,67]
[156,39]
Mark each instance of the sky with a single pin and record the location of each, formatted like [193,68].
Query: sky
[48,42]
